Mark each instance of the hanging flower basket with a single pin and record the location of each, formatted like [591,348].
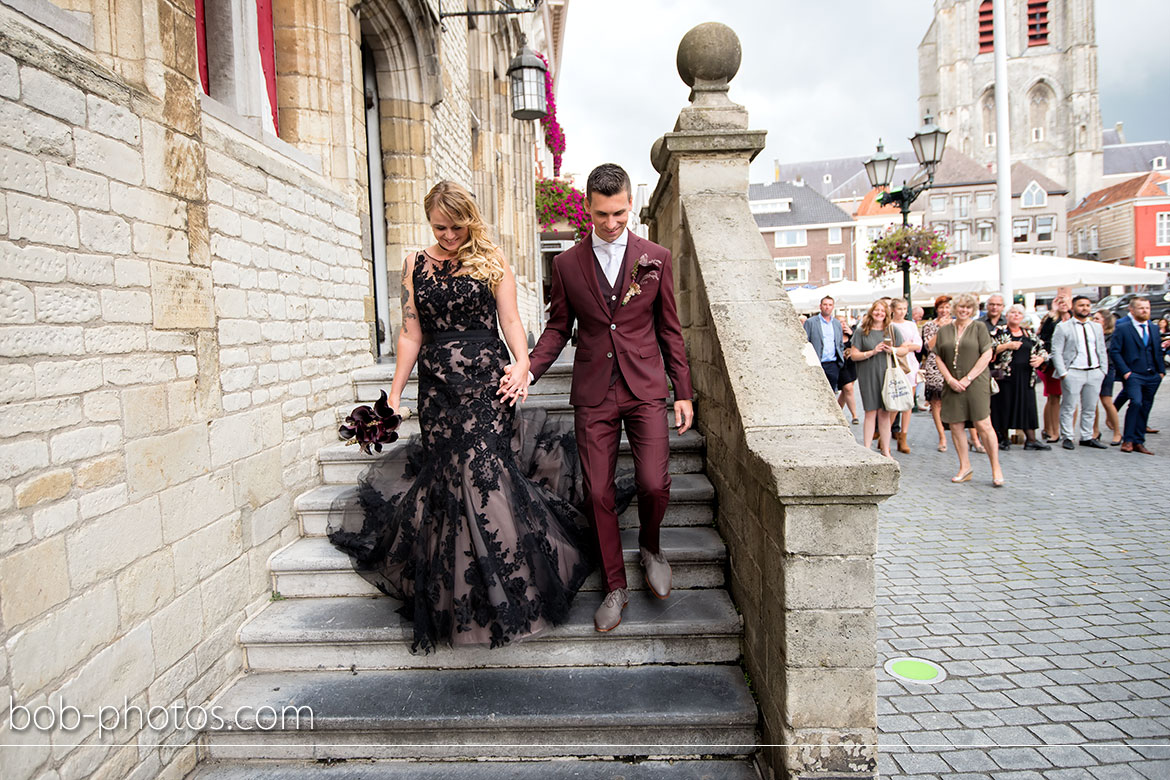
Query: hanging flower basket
[557,200]
[921,247]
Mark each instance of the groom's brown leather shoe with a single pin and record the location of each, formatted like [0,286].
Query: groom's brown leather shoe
[609,614]
[657,572]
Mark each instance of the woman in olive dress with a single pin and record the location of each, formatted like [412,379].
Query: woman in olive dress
[964,354]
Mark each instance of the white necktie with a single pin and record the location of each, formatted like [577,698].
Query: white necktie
[613,254]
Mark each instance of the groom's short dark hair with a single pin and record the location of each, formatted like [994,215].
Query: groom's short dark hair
[607,179]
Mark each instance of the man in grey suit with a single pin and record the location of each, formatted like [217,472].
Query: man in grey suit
[1079,361]
[824,333]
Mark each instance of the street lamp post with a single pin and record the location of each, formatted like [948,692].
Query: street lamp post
[928,143]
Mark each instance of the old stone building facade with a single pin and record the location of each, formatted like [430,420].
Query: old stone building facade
[186,280]
[1052,73]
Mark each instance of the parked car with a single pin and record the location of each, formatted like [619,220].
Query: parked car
[1119,304]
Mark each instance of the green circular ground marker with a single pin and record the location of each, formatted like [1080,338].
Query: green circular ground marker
[916,670]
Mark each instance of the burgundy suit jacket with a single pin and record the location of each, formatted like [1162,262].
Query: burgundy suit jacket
[644,336]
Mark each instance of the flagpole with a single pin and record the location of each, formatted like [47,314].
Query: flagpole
[1003,152]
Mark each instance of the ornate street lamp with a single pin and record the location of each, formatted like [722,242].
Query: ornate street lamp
[928,143]
[880,167]
[526,72]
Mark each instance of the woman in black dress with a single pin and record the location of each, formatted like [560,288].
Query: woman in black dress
[1017,353]
[478,536]
[848,374]
[1112,418]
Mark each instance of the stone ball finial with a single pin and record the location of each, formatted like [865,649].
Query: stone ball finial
[709,52]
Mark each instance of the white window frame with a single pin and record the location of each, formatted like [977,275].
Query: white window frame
[1051,227]
[1162,228]
[827,178]
[984,225]
[1094,246]
[1037,134]
[770,206]
[837,263]
[961,237]
[834,235]
[962,205]
[938,204]
[874,232]
[1034,196]
[989,139]
[800,238]
[1016,223]
[989,197]
[801,265]
[1158,163]
[1081,241]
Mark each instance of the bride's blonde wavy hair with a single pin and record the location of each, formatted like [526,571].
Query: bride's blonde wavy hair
[478,257]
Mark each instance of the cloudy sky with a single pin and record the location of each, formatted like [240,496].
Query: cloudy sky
[824,78]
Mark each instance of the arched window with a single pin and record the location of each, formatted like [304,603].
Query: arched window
[1040,100]
[987,109]
[1034,196]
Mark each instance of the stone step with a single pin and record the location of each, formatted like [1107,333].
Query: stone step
[370,381]
[343,464]
[312,567]
[691,503]
[557,769]
[471,713]
[692,626]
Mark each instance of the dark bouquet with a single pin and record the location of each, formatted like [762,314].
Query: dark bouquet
[371,427]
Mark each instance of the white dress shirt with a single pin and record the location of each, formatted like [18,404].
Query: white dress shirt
[1086,341]
[610,255]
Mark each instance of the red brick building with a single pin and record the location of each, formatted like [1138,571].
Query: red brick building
[811,240]
[1127,223]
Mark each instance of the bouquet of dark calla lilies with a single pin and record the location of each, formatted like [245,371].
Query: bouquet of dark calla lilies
[371,427]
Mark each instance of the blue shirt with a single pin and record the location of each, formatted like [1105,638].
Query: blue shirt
[828,341]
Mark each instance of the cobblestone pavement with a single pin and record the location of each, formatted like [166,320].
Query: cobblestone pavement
[1047,603]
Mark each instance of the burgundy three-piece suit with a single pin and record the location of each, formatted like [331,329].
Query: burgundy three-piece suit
[619,374]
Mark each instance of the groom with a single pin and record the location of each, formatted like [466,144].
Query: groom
[619,289]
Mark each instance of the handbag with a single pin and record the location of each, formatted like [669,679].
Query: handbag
[896,394]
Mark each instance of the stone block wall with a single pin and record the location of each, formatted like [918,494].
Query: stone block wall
[180,308]
[796,496]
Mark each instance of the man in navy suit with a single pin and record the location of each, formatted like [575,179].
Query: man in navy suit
[825,334]
[1136,352]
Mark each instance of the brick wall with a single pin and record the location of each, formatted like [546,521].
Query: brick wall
[818,249]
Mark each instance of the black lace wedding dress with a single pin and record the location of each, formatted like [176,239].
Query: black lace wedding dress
[474,524]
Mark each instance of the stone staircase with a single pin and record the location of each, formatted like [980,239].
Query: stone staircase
[663,696]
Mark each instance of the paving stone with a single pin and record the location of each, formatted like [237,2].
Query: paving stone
[1053,626]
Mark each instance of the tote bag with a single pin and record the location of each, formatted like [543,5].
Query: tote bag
[896,394]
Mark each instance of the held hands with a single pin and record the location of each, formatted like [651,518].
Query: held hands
[958,385]
[514,383]
[883,346]
[1036,362]
[684,415]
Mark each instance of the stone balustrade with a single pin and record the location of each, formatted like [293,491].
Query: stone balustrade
[797,497]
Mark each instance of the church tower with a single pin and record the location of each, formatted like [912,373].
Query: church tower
[1052,73]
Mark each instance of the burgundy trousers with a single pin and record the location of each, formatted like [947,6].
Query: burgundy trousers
[598,430]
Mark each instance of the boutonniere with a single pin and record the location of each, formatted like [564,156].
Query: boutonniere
[645,270]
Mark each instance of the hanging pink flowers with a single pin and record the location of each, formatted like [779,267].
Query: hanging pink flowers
[920,247]
[554,136]
[557,200]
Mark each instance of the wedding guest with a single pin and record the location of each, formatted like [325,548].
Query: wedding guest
[1079,361]
[848,374]
[1017,353]
[993,317]
[964,354]
[931,377]
[1137,352]
[1060,312]
[826,335]
[874,342]
[1107,321]
[912,338]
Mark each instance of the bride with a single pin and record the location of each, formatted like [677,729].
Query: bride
[474,526]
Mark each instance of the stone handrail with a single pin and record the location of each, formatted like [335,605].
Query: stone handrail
[797,497]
